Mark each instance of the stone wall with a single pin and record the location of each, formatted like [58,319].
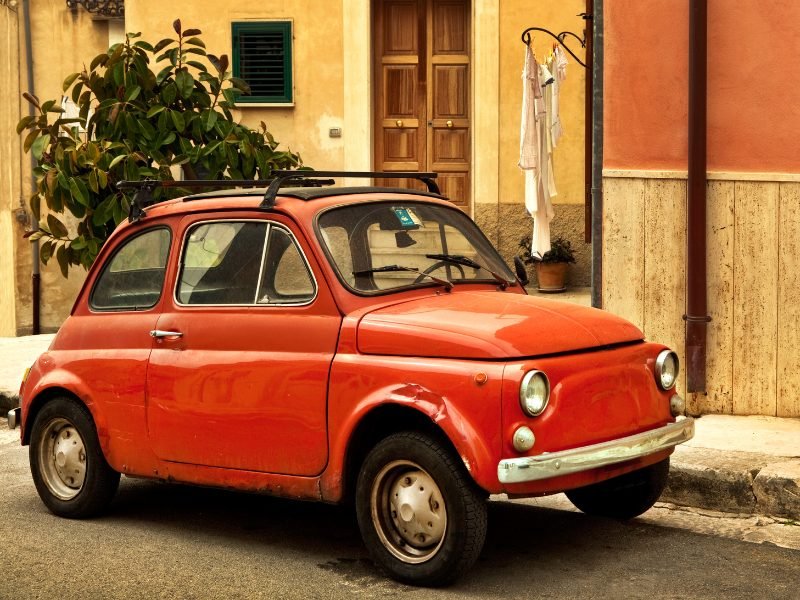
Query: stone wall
[505,224]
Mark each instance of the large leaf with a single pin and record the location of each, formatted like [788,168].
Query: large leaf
[24,122]
[56,227]
[154,110]
[177,120]
[37,148]
[70,80]
[185,83]
[132,93]
[79,192]
[63,260]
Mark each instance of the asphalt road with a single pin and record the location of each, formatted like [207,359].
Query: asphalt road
[169,541]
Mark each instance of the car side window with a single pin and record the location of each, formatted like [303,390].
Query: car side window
[242,263]
[134,277]
[285,278]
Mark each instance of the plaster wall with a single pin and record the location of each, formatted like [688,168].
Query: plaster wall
[9,165]
[317,70]
[753,113]
[63,41]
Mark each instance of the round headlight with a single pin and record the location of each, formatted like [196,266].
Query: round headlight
[667,369]
[534,393]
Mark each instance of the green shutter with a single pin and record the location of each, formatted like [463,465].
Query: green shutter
[262,56]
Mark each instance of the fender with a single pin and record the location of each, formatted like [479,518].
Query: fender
[471,421]
[42,379]
[118,412]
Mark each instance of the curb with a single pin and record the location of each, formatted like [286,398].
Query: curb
[734,482]
[8,400]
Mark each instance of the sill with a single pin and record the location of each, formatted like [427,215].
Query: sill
[264,105]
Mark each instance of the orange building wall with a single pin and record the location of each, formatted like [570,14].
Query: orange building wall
[753,85]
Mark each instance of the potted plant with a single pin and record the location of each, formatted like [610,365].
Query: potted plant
[551,268]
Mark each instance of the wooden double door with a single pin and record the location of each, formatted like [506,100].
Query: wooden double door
[422,91]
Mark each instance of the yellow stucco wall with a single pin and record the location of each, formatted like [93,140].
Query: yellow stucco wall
[332,88]
[317,56]
[515,17]
[9,166]
[62,42]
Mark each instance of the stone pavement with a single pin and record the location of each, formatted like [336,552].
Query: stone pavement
[734,464]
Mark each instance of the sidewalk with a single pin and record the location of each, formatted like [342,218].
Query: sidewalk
[745,465]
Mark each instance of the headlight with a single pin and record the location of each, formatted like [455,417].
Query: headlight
[534,393]
[667,369]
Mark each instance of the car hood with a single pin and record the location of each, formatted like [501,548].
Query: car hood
[488,325]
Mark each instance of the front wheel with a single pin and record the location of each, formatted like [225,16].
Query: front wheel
[68,467]
[421,516]
[623,497]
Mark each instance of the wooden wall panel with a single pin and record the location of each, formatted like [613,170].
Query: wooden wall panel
[664,266]
[789,301]
[755,310]
[720,244]
[623,248]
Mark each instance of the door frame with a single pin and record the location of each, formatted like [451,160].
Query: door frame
[359,147]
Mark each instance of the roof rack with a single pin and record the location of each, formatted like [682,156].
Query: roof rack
[299,177]
[143,195]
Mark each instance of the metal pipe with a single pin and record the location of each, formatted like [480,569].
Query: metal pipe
[35,274]
[588,123]
[597,155]
[696,316]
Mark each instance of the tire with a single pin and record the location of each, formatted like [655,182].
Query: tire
[623,497]
[435,527]
[68,467]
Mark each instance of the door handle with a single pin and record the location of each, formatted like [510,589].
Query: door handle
[399,123]
[158,334]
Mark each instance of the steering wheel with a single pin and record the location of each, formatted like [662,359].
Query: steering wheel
[438,265]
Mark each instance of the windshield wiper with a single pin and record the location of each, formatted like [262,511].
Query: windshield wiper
[397,268]
[458,259]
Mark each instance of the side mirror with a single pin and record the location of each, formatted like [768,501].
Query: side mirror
[522,273]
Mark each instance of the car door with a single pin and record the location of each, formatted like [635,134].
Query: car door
[238,378]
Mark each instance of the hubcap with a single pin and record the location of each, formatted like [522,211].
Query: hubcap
[408,512]
[62,459]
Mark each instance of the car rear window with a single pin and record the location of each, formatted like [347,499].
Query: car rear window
[134,276]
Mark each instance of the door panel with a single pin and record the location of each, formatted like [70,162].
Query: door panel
[422,92]
[245,387]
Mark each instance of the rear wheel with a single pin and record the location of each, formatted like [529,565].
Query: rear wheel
[422,517]
[623,497]
[68,467]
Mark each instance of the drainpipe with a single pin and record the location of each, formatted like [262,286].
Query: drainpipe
[597,154]
[696,316]
[35,275]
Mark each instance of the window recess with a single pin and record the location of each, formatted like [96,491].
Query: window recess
[262,56]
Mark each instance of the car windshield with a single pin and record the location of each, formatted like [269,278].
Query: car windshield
[382,246]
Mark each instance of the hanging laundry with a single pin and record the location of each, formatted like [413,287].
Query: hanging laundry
[534,154]
[559,69]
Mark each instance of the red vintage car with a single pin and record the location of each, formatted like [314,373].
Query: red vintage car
[359,344]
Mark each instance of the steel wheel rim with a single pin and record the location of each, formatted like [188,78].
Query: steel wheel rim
[62,459]
[408,512]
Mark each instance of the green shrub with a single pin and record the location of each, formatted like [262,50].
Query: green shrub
[135,123]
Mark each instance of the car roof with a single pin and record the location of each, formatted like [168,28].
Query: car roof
[310,193]
[301,203]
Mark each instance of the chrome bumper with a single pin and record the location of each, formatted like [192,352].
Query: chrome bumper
[13,417]
[555,464]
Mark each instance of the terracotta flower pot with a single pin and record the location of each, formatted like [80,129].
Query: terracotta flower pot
[551,276]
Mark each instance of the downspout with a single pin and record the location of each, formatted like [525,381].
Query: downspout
[696,316]
[588,157]
[597,154]
[35,274]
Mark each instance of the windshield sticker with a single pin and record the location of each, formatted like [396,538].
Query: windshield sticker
[407,218]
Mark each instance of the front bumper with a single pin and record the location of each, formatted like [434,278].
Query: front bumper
[14,417]
[575,460]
